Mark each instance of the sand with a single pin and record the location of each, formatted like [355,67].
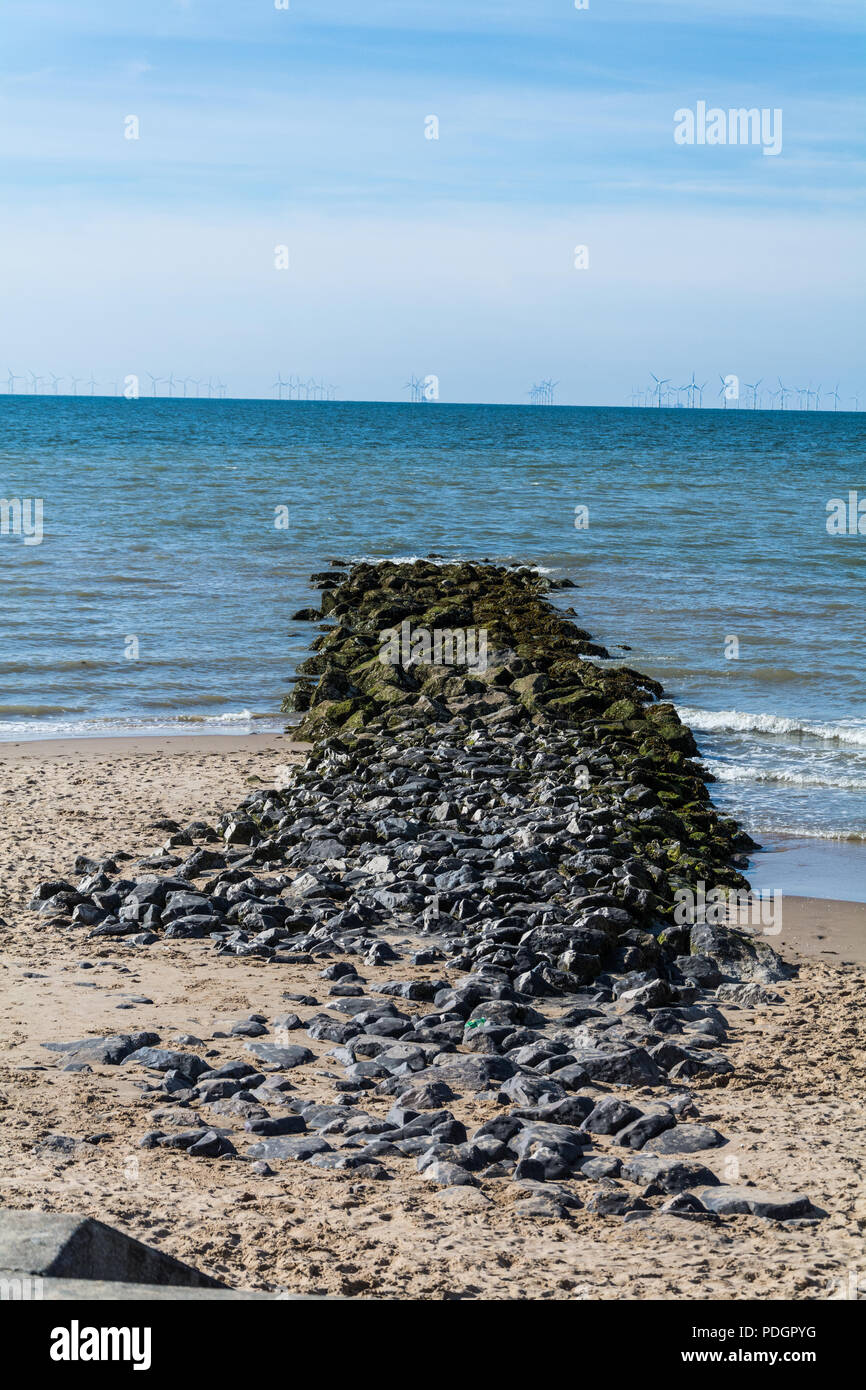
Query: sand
[793,1111]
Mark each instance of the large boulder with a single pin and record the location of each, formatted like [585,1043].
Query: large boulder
[739,955]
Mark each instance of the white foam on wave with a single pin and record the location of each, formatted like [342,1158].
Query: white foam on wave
[808,832]
[449,560]
[231,721]
[748,772]
[400,560]
[732,721]
[242,716]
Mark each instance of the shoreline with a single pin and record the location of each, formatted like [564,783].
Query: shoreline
[813,925]
[132,745]
[796,866]
[810,867]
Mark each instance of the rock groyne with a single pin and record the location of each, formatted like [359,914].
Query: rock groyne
[483,860]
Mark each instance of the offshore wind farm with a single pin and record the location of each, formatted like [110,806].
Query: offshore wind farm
[659,393]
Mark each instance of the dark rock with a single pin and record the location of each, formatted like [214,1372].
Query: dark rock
[110,1051]
[625,1067]
[282,1057]
[163,1059]
[464,1073]
[211,1145]
[284,1124]
[445,1174]
[601,1167]
[430,1096]
[738,955]
[289,1146]
[685,1139]
[755,1201]
[246,1028]
[668,1174]
[608,1199]
[686,1205]
[654,1122]
[609,1115]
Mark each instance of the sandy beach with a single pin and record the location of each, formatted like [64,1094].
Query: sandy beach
[793,1108]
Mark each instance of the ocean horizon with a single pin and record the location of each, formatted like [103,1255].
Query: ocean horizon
[179,536]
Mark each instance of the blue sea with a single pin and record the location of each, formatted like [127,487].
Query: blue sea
[160,597]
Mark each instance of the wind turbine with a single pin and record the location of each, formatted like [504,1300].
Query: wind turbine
[54,382]
[73,381]
[194,381]
[170,382]
[690,388]
[818,397]
[856,400]
[154,380]
[35,380]
[834,395]
[11,380]
[660,382]
[700,390]
[92,384]
[783,392]
[279,384]
[753,387]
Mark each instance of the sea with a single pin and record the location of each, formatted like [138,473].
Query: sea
[171,541]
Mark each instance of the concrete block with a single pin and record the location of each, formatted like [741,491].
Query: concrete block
[55,1244]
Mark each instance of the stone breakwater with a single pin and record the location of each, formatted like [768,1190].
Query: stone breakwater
[481,868]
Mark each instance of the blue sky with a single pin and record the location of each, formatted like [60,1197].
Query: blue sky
[261,127]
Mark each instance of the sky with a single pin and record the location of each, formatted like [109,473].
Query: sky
[305,128]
